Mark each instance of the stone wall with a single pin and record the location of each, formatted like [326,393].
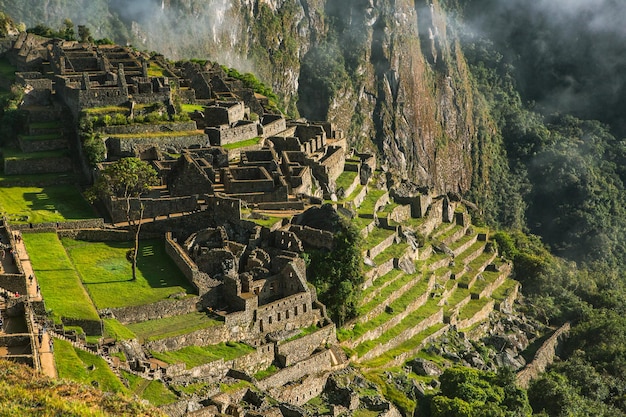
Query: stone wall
[273,125]
[318,362]
[138,128]
[247,180]
[47,165]
[98,235]
[223,135]
[13,283]
[203,337]
[299,394]
[250,364]
[90,327]
[288,353]
[544,356]
[481,315]
[153,207]
[288,313]
[314,238]
[225,208]
[378,271]
[158,310]
[126,146]
[376,250]
[68,226]
[200,280]
[42,145]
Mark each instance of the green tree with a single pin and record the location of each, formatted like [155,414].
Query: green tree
[338,274]
[84,34]
[128,179]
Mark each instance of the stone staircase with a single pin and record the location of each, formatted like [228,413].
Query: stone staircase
[458,279]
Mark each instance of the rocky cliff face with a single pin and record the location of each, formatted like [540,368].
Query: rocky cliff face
[390,73]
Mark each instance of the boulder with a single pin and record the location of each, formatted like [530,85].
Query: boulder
[424,367]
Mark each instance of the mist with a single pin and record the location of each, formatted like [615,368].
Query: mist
[568,54]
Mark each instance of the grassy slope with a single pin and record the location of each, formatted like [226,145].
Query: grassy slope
[27,393]
[60,284]
[106,272]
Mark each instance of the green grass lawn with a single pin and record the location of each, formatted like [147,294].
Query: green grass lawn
[60,285]
[190,108]
[242,144]
[74,363]
[346,179]
[116,330]
[106,273]
[172,326]
[53,203]
[193,356]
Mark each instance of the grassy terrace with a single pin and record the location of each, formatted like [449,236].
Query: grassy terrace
[52,203]
[472,308]
[387,291]
[193,356]
[50,136]
[361,222]
[460,242]
[60,284]
[376,236]
[388,209]
[106,273]
[460,260]
[412,320]
[408,346]
[243,143]
[488,277]
[381,282]
[457,296]
[190,108]
[73,364]
[94,111]
[448,233]
[15,155]
[504,290]
[172,326]
[153,391]
[398,306]
[346,179]
[474,267]
[394,251]
[367,207]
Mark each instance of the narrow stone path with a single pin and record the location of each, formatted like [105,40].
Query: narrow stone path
[45,350]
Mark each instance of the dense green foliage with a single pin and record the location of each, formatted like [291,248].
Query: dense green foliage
[338,274]
[322,75]
[468,392]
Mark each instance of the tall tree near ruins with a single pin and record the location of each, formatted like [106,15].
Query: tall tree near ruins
[127,179]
